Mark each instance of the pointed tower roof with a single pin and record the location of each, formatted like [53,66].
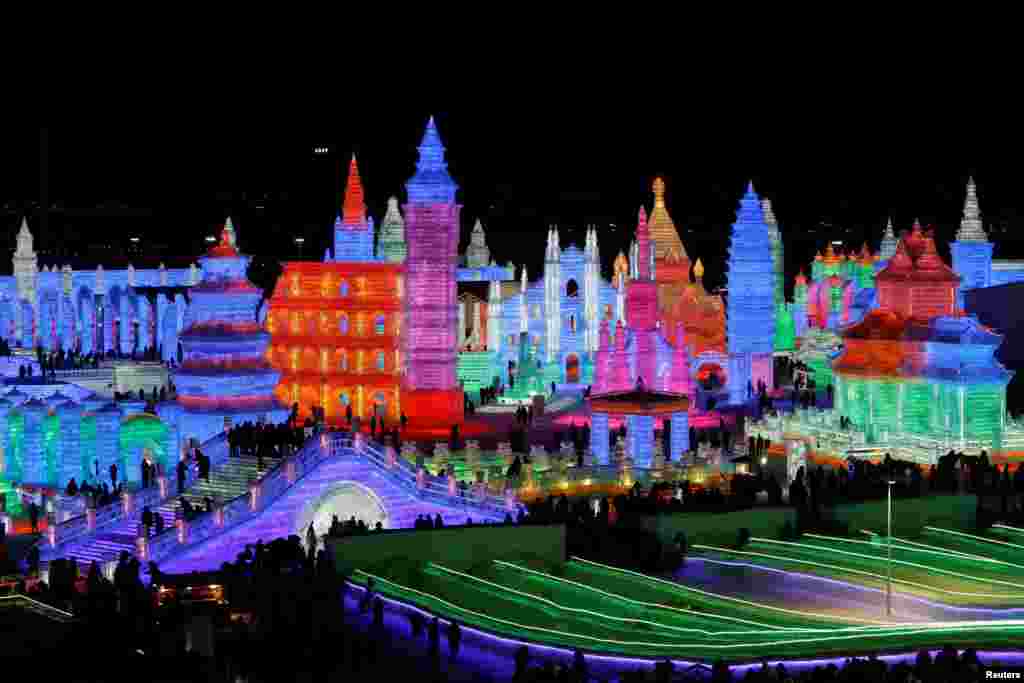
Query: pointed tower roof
[621,265]
[663,229]
[645,263]
[431,184]
[899,266]
[888,247]
[914,242]
[971,229]
[830,254]
[698,269]
[801,279]
[24,241]
[392,216]
[354,207]
[229,228]
[750,213]
[224,249]
[930,266]
[865,253]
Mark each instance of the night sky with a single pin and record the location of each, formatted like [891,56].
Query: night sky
[833,171]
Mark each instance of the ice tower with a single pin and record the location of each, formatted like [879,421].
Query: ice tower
[353,232]
[751,300]
[972,252]
[391,242]
[430,387]
[225,373]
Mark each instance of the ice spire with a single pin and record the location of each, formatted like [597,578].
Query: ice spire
[354,208]
[971,229]
[888,247]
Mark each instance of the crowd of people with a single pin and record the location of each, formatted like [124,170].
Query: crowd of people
[264,441]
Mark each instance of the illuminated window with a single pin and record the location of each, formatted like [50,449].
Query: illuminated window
[343,362]
[295,285]
[343,324]
[536,311]
[607,311]
[344,399]
[379,324]
[511,340]
[572,324]
[571,288]
[343,288]
[380,361]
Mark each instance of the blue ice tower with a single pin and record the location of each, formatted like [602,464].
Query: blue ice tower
[750,311]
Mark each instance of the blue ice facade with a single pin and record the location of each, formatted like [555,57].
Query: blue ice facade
[354,244]
[485,274]
[973,262]
[558,323]
[751,306]
[96,311]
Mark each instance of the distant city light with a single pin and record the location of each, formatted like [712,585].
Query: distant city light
[133,239]
[300,240]
[320,150]
[211,238]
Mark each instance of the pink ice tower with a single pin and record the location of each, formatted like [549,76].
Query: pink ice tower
[431,390]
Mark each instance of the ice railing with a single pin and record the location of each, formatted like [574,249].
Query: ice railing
[88,521]
[433,488]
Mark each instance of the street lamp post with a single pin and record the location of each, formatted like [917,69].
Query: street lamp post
[888,577]
[300,241]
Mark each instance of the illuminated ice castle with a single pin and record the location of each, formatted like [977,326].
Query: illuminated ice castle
[92,310]
[915,377]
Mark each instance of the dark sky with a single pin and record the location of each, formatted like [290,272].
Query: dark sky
[824,161]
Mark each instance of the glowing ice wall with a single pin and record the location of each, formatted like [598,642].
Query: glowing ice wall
[599,446]
[70,415]
[108,423]
[34,456]
[751,303]
[785,330]
[14,452]
[432,243]
[680,435]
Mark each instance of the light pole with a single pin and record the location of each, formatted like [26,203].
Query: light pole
[888,577]
[300,241]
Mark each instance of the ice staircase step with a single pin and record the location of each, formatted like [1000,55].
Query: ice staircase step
[226,482]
